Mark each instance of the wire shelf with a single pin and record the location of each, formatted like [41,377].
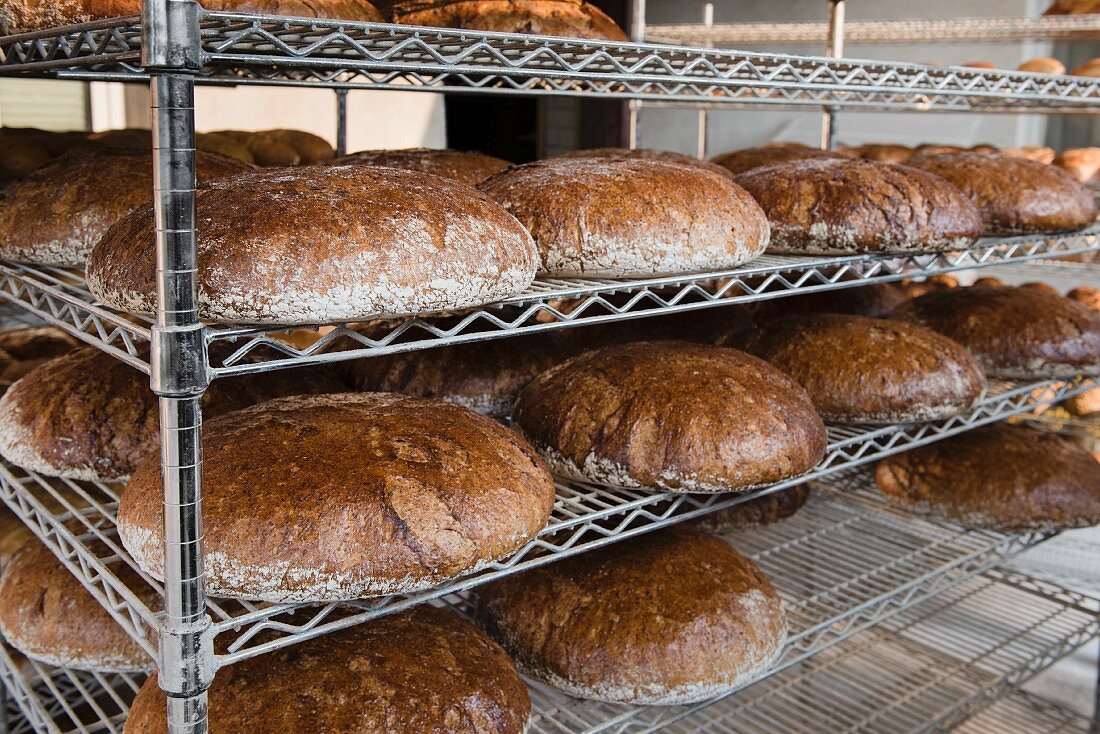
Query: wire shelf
[1025,713]
[585,517]
[241,48]
[914,30]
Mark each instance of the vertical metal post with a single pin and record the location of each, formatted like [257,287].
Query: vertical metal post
[634,106]
[835,50]
[701,132]
[341,121]
[178,374]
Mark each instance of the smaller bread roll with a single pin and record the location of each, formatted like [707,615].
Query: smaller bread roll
[217,142]
[454,165]
[1000,477]
[988,281]
[1086,295]
[1089,68]
[670,618]
[943,281]
[1039,153]
[651,154]
[1043,65]
[655,415]
[885,153]
[766,510]
[1081,163]
[980,65]
[1043,287]
[309,147]
[746,159]
[1084,404]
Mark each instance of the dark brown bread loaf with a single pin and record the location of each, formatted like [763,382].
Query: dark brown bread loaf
[1082,294]
[316,244]
[1015,195]
[988,281]
[725,325]
[746,159]
[1016,333]
[862,370]
[55,215]
[483,376]
[381,494]
[423,671]
[669,618]
[766,510]
[86,415]
[839,206]
[1001,477]
[1040,286]
[656,415]
[47,615]
[1086,403]
[455,165]
[566,18]
[27,15]
[594,217]
[885,153]
[651,154]
[876,301]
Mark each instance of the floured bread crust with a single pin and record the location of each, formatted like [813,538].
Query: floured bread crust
[455,165]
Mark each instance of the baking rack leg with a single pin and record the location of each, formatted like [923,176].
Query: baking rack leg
[835,50]
[341,121]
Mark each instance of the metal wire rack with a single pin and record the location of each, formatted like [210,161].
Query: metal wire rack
[585,517]
[246,48]
[911,30]
[1020,712]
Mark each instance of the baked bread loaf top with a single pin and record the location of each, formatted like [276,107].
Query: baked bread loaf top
[565,18]
[1081,163]
[1082,294]
[746,159]
[421,671]
[455,165]
[1016,333]
[656,415]
[315,244]
[670,618]
[766,510]
[382,494]
[1015,195]
[597,217]
[885,153]
[87,415]
[650,154]
[1001,477]
[840,206]
[57,213]
[28,15]
[862,370]
[47,615]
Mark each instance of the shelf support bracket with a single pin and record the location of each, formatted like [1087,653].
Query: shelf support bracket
[835,50]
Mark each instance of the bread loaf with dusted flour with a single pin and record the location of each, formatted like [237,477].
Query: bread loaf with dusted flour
[840,206]
[746,159]
[454,165]
[657,415]
[651,154]
[602,217]
[315,244]
[1002,477]
[422,671]
[566,18]
[669,618]
[381,494]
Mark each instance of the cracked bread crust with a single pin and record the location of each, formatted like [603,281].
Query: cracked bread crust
[454,165]
[1000,477]
[841,206]
[330,497]
[669,618]
[651,154]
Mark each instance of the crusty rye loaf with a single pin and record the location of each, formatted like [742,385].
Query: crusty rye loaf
[840,206]
[55,215]
[381,494]
[422,671]
[746,159]
[1002,477]
[658,415]
[455,165]
[670,618]
[1016,333]
[1015,195]
[652,154]
[566,18]
[875,300]
[47,615]
[315,244]
[600,217]
[765,510]
[862,370]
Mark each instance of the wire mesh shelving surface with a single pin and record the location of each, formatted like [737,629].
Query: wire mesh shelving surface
[1021,712]
[585,517]
[60,296]
[241,48]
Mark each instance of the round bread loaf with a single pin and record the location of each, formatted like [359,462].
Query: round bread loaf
[382,494]
[1089,68]
[766,510]
[746,159]
[1040,286]
[87,415]
[47,615]
[988,281]
[875,300]
[454,165]
[1082,294]
[657,415]
[1001,477]
[423,671]
[1016,333]
[1043,65]
[885,153]
[596,217]
[650,154]
[840,206]
[366,242]
[55,215]
[27,15]
[565,18]
[670,618]
[1081,163]
[24,348]
[1083,404]
[862,370]
[483,376]
[1015,195]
